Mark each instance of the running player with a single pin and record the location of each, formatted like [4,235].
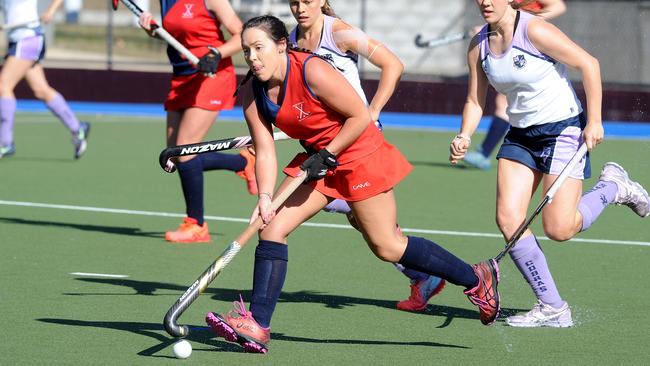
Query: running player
[310,100]
[320,31]
[196,96]
[26,48]
[524,57]
[480,158]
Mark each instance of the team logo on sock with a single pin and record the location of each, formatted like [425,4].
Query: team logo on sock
[519,61]
[188,11]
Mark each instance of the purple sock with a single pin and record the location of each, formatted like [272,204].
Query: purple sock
[338,206]
[7,112]
[531,262]
[62,110]
[594,202]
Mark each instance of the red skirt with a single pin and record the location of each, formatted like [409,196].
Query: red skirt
[203,92]
[362,178]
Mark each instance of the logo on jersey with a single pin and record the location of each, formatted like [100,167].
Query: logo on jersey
[188,11]
[519,61]
[302,114]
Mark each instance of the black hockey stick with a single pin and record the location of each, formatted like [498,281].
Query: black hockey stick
[441,41]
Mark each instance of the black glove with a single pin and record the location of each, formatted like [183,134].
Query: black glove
[318,164]
[209,62]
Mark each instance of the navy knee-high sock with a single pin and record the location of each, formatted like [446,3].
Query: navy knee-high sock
[217,160]
[428,257]
[498,128]
[268,278]
[191,174]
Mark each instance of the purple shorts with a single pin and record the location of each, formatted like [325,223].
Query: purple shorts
[549,147]
[29,48]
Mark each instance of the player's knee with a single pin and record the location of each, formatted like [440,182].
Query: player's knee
[508,222]
[386,249]
[558,232]
[42,93]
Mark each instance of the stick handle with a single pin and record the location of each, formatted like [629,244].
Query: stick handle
[192,293]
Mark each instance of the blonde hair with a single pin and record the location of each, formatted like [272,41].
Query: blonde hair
[327,9]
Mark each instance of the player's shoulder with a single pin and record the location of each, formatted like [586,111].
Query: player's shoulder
[341,25]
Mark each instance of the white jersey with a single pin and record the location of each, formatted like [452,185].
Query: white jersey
[346,63]
[20,12]
[536,86]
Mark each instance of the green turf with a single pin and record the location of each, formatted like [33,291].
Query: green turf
[337,304]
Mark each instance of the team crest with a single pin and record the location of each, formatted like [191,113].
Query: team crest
[519,61]
[302,114]
[188,11]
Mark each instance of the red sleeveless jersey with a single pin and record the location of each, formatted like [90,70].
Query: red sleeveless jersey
[303,116]
[532,7]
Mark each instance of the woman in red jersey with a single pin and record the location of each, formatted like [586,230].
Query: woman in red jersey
[347,158]
[196,96]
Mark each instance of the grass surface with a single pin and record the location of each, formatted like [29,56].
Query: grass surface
[337,307]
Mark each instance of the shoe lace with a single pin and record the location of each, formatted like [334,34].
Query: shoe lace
[240,309]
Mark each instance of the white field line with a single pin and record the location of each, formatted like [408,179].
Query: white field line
[310,224]
[84,274]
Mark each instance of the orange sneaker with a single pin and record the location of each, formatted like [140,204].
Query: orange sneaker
[248,173]
[485,295]
[189,232]
[239,326]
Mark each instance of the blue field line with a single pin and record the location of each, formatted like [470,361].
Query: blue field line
[420,121]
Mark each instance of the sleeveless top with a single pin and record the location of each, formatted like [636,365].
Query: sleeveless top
[21,11]
[301,115]
[536,86]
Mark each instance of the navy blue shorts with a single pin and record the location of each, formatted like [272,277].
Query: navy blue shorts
[29,48]
[549,147]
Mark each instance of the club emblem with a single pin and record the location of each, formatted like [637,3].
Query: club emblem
[188,11]
[519,61]
[302,114]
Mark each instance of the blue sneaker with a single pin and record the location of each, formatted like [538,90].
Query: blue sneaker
[6,151]
[80,139]
[477,160]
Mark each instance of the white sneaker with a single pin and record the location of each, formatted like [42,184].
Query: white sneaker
[543,315]
[629,193]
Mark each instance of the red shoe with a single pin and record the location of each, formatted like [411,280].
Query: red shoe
[239,326]
[189,232]
[485,295]
[421,293]
[248,173]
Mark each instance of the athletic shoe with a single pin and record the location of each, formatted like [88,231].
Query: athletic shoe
[477,160]
[629,192]
[248,173]
[543,315]
[80,139]
[189,232]
[485,295]
[239,326]
[7,151]
[421,292]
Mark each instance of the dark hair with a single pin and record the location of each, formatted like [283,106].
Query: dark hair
[327,9]
[275,29]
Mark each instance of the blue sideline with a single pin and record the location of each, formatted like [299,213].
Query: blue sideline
[420,121]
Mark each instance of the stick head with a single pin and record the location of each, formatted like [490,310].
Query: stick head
[115,3]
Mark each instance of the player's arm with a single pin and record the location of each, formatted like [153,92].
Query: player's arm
[551,8]
[331,87]
[350,38]
[48,15]
[227,16]
[551,41]
[474,104]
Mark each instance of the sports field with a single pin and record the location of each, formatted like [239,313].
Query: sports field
[107,213]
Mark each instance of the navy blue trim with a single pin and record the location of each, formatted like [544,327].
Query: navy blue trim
[304,76]
[543,57]
[348,55]
[283,89]
[165,5]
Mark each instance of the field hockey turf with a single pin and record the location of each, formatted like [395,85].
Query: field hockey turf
[107,213]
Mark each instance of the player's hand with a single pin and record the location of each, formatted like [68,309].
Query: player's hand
[209,62]
[263,210]
[47,17]
[458,148]
[593,134]
[145,22]
[318,165]
[374,114]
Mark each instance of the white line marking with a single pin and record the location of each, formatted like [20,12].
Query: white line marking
[311,224]
[98,275]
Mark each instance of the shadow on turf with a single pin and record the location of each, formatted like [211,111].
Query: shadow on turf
[130,231]
[205,336]
[331,301]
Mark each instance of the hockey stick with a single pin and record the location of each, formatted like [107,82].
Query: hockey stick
[192,293]
[547,199]
[10,26]
[206,147]
[441,41]
[135,9]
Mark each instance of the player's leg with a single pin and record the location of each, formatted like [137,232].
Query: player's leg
[13,70]
[37,81]
[185,127]
[376,217]
[497,129]
[252,328]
